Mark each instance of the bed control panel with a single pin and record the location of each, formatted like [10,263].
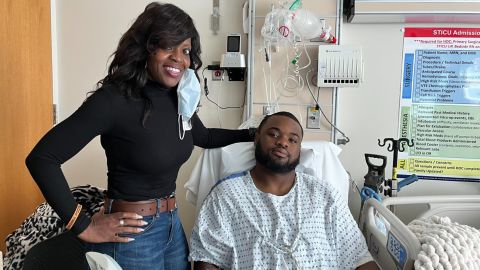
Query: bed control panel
[397,250]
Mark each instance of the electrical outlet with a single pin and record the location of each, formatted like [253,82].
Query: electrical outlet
[217,75]
[313,117]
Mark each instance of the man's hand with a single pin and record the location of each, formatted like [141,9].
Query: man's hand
[368,266]
[204,266]
[109,227]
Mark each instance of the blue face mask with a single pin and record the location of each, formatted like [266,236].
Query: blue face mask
[188,92]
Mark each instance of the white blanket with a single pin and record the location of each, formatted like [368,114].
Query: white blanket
[446,244]
[317,158]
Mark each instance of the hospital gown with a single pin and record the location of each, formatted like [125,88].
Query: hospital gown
[241,227]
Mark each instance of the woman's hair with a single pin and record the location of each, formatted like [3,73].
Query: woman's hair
[159,26]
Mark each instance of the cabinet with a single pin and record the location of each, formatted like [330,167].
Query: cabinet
[283,85]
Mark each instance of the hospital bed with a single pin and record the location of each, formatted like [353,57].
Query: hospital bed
[394,245]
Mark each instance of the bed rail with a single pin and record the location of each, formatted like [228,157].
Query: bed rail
[395,246]
[431,199]
[391,242]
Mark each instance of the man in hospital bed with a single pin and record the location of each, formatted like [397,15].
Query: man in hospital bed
[272,217]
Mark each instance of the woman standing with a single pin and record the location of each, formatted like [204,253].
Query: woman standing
[144,112]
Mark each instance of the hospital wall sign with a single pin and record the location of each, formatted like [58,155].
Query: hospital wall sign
[440,104]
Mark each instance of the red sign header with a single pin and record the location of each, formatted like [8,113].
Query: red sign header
[443,32]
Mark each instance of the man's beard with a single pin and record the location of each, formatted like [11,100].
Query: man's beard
[267,161]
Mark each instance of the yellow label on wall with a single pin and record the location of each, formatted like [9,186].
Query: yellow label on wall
[440,166]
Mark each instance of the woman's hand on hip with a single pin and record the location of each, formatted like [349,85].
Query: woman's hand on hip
[110,227]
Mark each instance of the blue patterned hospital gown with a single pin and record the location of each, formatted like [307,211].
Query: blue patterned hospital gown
[311,227]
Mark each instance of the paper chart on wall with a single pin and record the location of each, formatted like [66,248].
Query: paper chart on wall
[440,104]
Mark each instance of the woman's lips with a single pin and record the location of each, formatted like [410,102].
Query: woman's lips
[173,71]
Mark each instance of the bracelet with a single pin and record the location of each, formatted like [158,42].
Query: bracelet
[74,217]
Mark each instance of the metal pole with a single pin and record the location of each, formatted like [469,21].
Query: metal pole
[251,59]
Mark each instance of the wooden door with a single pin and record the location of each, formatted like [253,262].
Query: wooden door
[25,103]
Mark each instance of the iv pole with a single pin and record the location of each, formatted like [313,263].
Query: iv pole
[394,146]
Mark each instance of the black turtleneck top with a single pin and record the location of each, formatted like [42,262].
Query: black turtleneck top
[143,161]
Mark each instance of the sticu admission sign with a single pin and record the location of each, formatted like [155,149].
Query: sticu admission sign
[440,104]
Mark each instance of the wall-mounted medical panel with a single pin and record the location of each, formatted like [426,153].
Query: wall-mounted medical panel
[339,66]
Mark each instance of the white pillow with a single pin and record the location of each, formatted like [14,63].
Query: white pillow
[317,158]
[100,261]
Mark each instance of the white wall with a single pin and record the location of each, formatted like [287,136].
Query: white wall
[370,112]
[88,32]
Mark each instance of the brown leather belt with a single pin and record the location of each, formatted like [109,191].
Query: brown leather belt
[142,208]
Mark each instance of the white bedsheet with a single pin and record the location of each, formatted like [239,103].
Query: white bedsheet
[317,158]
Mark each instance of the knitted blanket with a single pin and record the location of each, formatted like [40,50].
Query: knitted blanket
[446,244]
